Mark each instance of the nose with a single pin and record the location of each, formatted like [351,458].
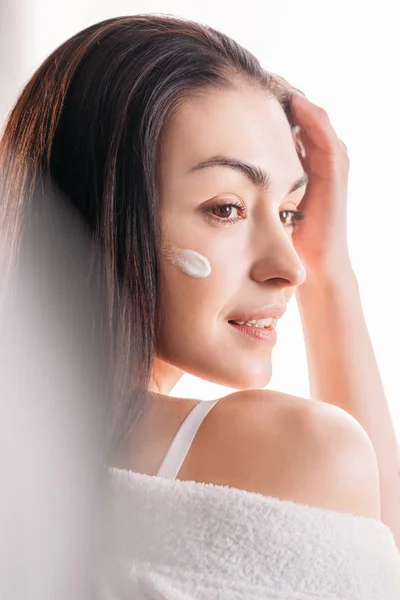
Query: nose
[278,260]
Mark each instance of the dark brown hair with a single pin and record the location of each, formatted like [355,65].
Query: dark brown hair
[89,124]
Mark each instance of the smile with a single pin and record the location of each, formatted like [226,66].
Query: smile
[256,332]
[271,322]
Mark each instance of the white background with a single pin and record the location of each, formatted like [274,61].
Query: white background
[344,56]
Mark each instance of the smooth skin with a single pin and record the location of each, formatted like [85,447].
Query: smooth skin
[253,439]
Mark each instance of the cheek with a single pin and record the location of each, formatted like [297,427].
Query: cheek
[184,314]
[196,303]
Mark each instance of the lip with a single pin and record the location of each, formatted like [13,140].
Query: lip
[277,310]
[263,335]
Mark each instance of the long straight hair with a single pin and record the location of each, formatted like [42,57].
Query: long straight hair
[88,126]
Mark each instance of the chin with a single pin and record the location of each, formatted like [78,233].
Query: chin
[241,379]
[251,383]
[254,374]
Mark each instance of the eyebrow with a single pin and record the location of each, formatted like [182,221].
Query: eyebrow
[255,174]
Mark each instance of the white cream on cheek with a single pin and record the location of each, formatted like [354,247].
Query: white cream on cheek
[189,261]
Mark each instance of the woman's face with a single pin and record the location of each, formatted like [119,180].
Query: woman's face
[253,261]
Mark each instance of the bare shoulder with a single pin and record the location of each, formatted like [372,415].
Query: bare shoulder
[289,447]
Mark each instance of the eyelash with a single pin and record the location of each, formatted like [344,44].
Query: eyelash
[297,214]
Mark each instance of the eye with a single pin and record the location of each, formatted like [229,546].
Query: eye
[297,215]
[228,213]
[225,210]
[225,213]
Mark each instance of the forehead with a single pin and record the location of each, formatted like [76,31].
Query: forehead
[244,121]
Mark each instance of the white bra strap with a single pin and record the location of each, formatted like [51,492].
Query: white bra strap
[180,445]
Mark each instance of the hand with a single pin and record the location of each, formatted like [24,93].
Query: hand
[321,238]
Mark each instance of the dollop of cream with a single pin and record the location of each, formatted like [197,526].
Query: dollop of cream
[189,261]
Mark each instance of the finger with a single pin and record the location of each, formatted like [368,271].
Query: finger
[286,85]
[314,120]
[298,143]
[280,79]
[296,92]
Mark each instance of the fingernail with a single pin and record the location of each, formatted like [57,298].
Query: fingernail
[297,92]
[298,143]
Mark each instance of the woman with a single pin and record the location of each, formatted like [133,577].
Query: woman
[178,151]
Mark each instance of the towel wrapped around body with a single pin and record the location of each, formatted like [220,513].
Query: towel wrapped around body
[187,540]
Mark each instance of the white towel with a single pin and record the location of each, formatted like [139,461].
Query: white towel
[185,540]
